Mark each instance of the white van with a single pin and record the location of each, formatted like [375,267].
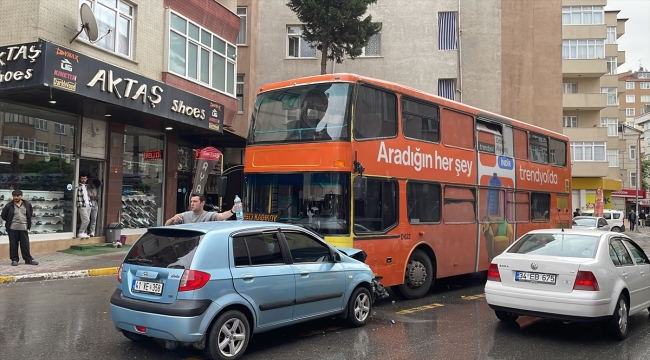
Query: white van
[614,218]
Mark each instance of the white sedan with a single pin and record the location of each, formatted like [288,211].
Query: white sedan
[571,275]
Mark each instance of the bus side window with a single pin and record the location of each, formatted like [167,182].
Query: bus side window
[378,212]
[460,205]
[540,206]
[521,144]
[557,151]
[420,121]
[423,202]
[457,129]
[538,146]
[375,114]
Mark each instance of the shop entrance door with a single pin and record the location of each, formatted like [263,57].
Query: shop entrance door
[94,169]
[184,186]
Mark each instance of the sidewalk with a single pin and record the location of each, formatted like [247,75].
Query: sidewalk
[57,265]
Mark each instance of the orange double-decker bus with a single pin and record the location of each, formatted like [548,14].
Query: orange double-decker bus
[427,187]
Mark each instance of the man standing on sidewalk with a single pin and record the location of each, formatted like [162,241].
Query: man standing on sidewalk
[83,206]
[632,218]
[18,220]
[642,219]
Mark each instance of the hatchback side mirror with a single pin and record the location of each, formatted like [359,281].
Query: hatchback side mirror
[337,256]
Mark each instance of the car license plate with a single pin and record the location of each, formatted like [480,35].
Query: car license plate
[535,277]
[147,287]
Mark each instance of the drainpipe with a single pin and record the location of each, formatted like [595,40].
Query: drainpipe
[636,194]
[459,89]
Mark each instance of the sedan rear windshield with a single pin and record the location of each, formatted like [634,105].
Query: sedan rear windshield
[585,222]
[166,248]
[565,245]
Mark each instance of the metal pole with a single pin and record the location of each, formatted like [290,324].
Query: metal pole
[636,192]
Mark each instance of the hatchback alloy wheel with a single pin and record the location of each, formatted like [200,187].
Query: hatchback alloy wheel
[229,336]
[362,307]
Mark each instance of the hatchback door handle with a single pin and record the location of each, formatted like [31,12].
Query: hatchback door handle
[624,274]
[248,277]
[304,273]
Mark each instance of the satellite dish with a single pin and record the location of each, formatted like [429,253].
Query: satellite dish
[88,24]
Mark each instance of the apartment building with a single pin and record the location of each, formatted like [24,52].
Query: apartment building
[129,108]
[629,140]
[499,55]
[635,101]
[591,89]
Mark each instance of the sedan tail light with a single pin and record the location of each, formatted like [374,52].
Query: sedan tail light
[493,273]
[119,273]
[193,280]
[585,280]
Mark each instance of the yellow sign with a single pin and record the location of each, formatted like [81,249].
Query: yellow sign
[260,216]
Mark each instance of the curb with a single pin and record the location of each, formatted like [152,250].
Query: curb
[74,274]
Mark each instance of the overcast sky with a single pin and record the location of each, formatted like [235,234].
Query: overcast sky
[636,40]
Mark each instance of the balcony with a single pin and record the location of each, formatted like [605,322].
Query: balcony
[621,87]
[584,32]
[589,169]
[620,58]
[611,50]
[620,27]
[584,2]
[595,133]
[584,101]
[572,68]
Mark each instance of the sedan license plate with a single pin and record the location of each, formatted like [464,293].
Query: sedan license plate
[535,277]
[147,287]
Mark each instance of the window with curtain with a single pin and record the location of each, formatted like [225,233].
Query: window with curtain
[242,12]
[612,158]
[116,16]
[447,31]
[447,88]
[611,124]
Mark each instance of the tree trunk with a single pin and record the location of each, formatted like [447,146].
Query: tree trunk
[323,60]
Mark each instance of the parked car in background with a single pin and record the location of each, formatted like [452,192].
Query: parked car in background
[590,223]
[215,284]
[615,218]
[571,275]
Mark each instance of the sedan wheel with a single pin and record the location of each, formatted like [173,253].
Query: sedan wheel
[618,322]
[359,307]
[228,337]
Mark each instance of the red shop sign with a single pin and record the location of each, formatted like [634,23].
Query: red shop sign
[150,155]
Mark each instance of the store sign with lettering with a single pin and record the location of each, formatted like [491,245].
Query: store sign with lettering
[70,71]
[20,65]
[152,155]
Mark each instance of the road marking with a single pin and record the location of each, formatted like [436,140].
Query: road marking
[473,297]
[7,279]
[103,271]
[320,331]
[420,308]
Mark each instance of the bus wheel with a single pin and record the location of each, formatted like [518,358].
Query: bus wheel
[418,279]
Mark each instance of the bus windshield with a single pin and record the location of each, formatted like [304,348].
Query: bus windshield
[318,201]
[307,113]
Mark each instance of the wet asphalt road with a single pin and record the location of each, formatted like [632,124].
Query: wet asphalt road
[69,319]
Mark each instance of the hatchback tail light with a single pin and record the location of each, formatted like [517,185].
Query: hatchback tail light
[193,280]
[493,273]
[585,280]
[119,273]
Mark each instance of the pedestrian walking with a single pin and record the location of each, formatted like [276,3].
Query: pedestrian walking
[83,206]
[642,218]
[632,218]
[93,194]
[197,213]
[18,221]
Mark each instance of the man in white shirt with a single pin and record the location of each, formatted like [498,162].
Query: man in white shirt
[83,206]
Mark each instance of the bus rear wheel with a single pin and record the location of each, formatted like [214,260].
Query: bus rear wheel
[418,279]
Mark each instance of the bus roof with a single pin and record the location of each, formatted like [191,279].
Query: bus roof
[403,89]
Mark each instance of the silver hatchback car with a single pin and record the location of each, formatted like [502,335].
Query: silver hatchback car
[216,284]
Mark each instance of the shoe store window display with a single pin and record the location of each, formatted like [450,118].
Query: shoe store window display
[17,215]
[93,194]
[83,206]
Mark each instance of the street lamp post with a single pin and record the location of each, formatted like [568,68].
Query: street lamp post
[636,192]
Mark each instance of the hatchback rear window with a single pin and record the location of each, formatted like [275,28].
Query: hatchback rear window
[565,245]
[167,248]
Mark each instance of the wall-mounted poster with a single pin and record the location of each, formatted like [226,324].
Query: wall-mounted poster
[93,138]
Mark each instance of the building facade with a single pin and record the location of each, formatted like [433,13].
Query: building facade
[129,108]
[498,55]
[591,89]
[635,101]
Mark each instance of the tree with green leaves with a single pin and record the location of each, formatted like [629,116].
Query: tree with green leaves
[645,171]
[335,27]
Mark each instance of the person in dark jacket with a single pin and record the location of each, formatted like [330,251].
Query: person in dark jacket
[18,221]
[632,218]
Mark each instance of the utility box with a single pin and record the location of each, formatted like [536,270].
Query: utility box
[113,232]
